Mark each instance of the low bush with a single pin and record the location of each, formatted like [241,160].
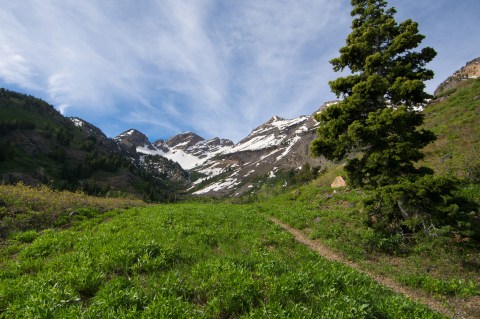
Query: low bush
[428,204]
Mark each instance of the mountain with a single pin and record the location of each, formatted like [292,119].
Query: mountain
[187,149]
[132,139]
[39,146]
[184,141]
[275,146]
[221,168]
[145,155]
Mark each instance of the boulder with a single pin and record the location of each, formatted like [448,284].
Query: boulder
[338,182]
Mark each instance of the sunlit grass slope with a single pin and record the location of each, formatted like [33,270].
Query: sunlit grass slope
[185,261]
[456,122]
[24,208]
[436,262]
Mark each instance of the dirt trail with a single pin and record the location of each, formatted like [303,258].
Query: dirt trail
[456,311]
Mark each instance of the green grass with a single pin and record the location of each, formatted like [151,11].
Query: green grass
[27,209]
[438,264]
[184,261]
[456,122]
[452,287]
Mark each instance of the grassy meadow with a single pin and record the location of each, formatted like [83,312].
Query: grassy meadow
[456,122]
[190,260]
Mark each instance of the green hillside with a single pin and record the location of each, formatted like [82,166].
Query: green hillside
[455,119]
[43,147]
[39,146]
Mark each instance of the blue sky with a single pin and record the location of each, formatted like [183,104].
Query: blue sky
[214,67]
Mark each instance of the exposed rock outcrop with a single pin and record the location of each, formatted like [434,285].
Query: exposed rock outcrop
[471,70]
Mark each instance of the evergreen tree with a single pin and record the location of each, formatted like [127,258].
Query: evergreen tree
[376,116]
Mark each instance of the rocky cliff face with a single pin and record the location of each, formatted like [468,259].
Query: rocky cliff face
[471,70]
[184,141]
[161,145]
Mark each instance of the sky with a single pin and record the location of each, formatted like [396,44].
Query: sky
[218,68]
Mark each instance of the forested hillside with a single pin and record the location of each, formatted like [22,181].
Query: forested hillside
[39,146]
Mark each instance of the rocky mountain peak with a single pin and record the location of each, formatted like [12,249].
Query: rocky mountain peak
[184,141]
[133,139]
[130,133]
[274,118]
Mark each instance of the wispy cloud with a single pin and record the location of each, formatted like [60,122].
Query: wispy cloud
[216,67]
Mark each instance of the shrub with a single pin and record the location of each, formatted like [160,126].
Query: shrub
[426,204]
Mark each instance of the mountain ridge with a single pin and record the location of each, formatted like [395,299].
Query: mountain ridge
[278,144]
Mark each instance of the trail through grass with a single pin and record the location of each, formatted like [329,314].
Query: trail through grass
[185,261]
[328,254]
[438,267]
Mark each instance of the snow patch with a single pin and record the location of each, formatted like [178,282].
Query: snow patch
[291,143]
[226,184]
[249,173]
[257,143]
[127,133]
[77,122]
[282,124]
